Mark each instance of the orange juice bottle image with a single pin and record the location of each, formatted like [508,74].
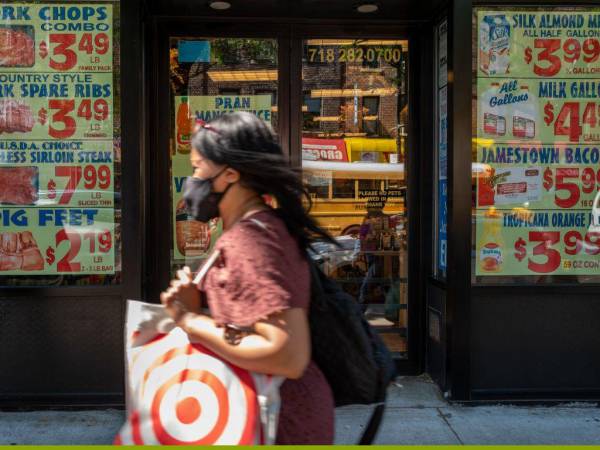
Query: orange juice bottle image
[183,123]
[491,242]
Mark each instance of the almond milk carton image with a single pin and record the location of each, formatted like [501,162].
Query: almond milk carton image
[494,44]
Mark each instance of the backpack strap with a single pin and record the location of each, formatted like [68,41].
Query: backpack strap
[371,430]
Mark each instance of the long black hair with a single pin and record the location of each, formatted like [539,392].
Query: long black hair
[247,144]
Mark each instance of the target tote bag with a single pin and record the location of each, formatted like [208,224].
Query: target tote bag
[180,393]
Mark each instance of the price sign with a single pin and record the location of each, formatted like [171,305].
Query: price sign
[572,186]
[57,240]
[574,120]
[519,241]
[550,56]
[511,109]
[73,173]
[47,38]
[66,106]
[538,44]
[541,250]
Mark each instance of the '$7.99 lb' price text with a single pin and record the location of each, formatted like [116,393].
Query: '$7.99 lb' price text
[547,259]
[70,243]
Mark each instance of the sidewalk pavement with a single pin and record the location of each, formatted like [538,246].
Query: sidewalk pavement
[416,414]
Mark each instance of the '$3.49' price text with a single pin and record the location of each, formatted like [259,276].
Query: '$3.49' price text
[545,258]
[95,243]
[64,49]
[63,115]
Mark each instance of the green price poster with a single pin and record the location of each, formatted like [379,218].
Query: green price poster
[45,241]
[538,111]
[57,37]
[525,44]
[549,242]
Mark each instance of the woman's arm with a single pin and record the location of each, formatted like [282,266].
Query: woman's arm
[279,345]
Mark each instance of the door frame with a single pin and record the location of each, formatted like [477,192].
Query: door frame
[289,35]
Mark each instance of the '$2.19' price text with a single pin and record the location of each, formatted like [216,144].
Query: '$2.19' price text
[547,259]
[548,61]
[574,121]
[94,242]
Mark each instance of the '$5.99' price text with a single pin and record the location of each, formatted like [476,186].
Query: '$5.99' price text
[575,119]
[548,62]
[93,242]
[574,181]
[545,258]
[65,48]
[63,115]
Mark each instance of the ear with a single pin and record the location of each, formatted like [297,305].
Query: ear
[231,175]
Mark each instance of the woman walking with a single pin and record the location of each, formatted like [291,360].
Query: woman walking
[258,290]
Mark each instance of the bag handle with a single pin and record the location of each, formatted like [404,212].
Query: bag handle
[206,266]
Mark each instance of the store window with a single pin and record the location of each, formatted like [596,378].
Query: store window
[211,77]
[354,151]
[536,145]
[60,146]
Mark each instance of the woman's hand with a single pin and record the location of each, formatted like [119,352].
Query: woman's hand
[182,296]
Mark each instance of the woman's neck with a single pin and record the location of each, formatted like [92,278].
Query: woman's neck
[240,208]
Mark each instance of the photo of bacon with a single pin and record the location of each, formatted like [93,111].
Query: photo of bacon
[17,48]
[15,116]
[18,185]
[19,251]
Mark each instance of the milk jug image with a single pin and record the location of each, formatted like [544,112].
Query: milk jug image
[494,45]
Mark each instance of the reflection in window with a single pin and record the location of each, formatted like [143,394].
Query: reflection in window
[343,188]
[355,117]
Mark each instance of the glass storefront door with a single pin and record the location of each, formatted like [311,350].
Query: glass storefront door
[354,130]
[210,77]
[354,96]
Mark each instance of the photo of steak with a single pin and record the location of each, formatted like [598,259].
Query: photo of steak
[18,185]
[15,116]
[19,251]
[17,48]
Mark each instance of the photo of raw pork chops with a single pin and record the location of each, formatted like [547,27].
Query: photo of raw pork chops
[19,251]
[18,185]
[17,48]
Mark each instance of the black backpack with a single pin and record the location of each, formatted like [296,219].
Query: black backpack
[351,355]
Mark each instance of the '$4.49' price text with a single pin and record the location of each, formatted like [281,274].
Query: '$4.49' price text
[94,243]
[574,120]
[547,259]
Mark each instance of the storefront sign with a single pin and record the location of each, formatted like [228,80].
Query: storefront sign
[192,239]
[324,150]
[538,140]
[57,146]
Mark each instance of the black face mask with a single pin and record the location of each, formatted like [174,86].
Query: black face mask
[200,200]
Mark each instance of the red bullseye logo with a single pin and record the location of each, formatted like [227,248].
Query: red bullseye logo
[189,396]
